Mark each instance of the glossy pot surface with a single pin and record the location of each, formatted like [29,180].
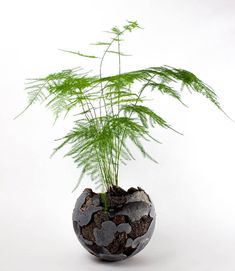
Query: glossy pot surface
[115,225]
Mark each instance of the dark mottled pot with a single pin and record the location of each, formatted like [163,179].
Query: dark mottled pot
[119,232]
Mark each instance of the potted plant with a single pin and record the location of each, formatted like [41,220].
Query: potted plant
[110,112]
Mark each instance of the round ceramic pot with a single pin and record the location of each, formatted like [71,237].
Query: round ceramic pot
[115,225]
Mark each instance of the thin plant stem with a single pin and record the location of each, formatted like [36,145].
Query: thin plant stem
[123,134]
[118,109]
[113,162]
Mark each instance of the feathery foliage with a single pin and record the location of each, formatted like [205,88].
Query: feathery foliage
[110,110]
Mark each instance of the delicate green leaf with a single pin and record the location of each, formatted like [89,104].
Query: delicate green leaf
[101,43]
[78,53]
[118,53]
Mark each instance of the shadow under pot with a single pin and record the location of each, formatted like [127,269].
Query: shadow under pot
[114,225]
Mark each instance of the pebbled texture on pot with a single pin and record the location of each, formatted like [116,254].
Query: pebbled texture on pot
[117,230]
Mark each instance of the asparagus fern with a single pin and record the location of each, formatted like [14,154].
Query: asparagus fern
[110,110]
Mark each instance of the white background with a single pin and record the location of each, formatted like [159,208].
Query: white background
[192,187]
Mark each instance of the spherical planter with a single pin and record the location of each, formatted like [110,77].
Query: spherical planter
[119,231]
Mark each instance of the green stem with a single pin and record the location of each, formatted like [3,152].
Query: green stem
[113,162]
[117,142]
[98,154]
[123,134]
[101,64]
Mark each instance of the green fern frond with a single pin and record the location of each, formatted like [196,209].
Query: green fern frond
[110,111]
[145,114]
